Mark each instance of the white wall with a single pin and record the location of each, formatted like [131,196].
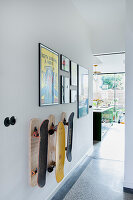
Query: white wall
[107,21]
[23,25]
[128,179]
[113,63]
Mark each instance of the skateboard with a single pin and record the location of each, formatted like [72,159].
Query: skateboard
[68,148]
[51,143]
[34,148]
[60,151]
[43,149]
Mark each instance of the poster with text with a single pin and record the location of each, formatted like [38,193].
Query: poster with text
[48,76]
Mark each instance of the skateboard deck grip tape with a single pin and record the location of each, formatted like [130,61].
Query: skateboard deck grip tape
[43,149]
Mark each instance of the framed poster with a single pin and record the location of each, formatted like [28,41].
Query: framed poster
[73,74]
[48,76]
[73,95]
[83,93]
[64,63]
[65,90]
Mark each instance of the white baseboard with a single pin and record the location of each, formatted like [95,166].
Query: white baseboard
[69,174]
[128,185]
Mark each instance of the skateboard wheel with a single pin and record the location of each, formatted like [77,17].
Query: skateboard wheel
[33,172]
[12,120]
[51,131]
[7,122]
[50,169]
[53,164]
[35,134]
[64,122]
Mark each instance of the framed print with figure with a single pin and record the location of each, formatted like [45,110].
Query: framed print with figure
[48,76]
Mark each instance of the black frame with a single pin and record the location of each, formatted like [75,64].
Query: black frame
[61,63]
[39,47]
[61,89]
[78,91]
[71,73]
[71,95]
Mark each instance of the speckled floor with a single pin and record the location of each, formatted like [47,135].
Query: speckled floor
[103,177]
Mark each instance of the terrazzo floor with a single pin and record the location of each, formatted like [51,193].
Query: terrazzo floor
[103,177]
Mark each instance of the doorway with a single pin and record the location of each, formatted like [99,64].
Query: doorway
[109,112]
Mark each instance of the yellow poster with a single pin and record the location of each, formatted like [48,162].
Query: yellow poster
[49,61]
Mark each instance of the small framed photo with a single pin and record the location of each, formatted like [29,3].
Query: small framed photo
[64,63]
[73,74]
[73,96]
[65,90]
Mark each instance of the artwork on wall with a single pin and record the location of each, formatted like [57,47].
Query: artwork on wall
[82,91]
[64,63]
[73,73]
[65,92]
[73,96]
[48,76]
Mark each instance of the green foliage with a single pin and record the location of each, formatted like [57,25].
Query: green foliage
[112,81]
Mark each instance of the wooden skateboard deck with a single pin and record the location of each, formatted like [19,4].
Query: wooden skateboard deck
[60,151]
[34,149]
[43,149]
[69,135]
[63,119]
[51,144]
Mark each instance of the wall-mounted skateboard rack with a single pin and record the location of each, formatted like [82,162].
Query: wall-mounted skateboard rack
[53,146]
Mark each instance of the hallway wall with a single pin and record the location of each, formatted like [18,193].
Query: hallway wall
[128,179]
[24,24]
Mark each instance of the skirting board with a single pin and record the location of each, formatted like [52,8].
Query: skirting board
[128,187]
[128,184]
[128,190]
[69,174]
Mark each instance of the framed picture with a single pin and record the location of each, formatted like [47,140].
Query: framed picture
[48,76]
[83,93]
[64,63]
[73,74]
[73,96]
[65,90]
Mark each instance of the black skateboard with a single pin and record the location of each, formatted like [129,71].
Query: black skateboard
[43,149]
[70,137]
[69,134]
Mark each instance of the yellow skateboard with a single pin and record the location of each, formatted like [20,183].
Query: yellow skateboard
[60,152]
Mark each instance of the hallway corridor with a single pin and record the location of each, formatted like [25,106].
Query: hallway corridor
[103,177]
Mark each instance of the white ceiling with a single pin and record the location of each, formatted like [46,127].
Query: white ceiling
[110,63]
[106,22]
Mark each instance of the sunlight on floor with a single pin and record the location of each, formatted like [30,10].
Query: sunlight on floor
[112,145]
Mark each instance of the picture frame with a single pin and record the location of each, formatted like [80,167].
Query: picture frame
[64,63]
[48,76]
[64,89]
[73,96]
[82,92]
[73,73]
